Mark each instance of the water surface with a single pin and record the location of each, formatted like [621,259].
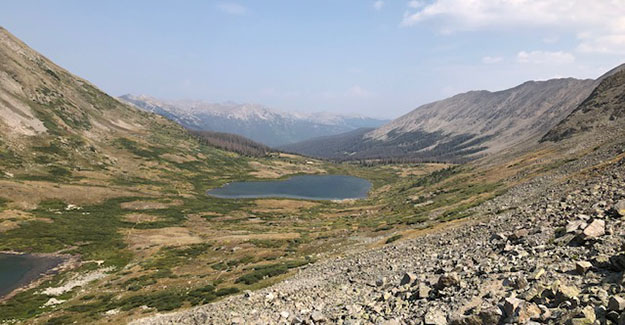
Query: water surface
[19,270]
[308,187]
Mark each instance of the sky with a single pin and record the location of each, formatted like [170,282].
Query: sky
[377,58]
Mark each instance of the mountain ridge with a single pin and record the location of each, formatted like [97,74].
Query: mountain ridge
[466,126]
[603,109]
[257,122]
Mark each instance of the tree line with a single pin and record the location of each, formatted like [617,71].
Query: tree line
[232,142]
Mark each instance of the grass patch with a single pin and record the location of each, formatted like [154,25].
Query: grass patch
[392,239]
[262,272]
[91,232]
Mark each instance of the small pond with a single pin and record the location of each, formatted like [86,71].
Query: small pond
[20,270]
[308,187]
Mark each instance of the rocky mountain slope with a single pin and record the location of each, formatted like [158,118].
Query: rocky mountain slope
[270,127]
[604,109]
[56,125]
[549,251]
[464,126]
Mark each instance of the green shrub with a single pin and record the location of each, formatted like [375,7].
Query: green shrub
[393,238]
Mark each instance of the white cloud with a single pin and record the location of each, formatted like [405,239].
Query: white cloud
[545,57]
[492,59]
[416,4]
[602,21]
[378,5]
[613,44]
[232,8]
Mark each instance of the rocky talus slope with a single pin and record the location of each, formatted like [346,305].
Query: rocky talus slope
[549,251]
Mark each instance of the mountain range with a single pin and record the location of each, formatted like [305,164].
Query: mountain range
[460,128]
[259,123]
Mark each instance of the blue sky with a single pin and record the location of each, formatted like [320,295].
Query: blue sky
[377,58]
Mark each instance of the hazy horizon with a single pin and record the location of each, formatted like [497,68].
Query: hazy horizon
[373,58]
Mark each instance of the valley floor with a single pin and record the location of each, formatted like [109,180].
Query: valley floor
[548,251]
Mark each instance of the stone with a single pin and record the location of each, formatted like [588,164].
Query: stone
[582,267]
[617,262]
[613,316]
[510,305]
[317,316]
[466,320]
[581,321]
[545,312]
[595,229]
[519,234]
[285,314]
[566,293]
[423,291]
[526,312]
[616,303]
[573,225]
[491,316]
[498,236]
[390,322]
[589,313]
[237,321]
[435,317]
[520,283]
[536,275]
[380,282]
[448,280]
[619,208]
[408,278]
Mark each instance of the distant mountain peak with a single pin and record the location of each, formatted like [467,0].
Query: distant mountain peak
[260,123]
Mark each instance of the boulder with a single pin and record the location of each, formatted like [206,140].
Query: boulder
[423,291]
[408,278]
[586,317]
[510,305]
[526,312]
[519,234]
[573,225]
[491,316]
[448,280]
[582,267]
[435,317]
[595,229]
[617,262]
[317,316]
[616,303]
[566,293]
[466,320]
[619,208]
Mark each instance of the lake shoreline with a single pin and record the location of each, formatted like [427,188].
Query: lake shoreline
[300,187]
[49,264]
